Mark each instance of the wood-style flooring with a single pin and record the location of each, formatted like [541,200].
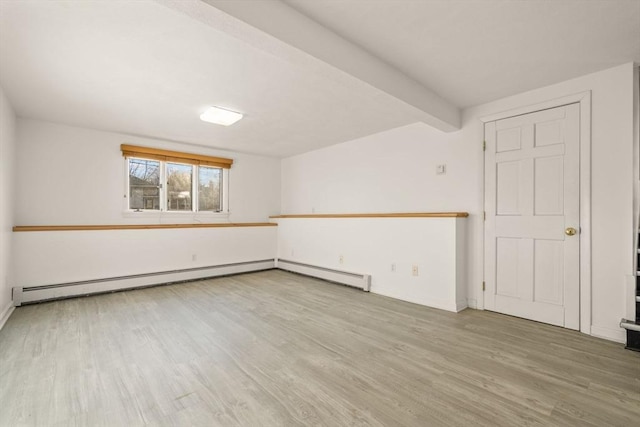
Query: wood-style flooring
[278,349]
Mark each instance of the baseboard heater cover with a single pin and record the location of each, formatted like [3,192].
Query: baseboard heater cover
[31,294]
[356,280]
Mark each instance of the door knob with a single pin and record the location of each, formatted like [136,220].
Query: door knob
[570,231]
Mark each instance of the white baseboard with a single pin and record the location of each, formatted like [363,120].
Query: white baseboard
[4,316]
[617,335]
[426,302]
[23,295]
[357,280]
[461,305]
[435,303]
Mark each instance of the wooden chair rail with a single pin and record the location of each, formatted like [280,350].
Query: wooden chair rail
[20,228]
[380,215]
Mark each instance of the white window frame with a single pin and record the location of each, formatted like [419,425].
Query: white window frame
[164,211]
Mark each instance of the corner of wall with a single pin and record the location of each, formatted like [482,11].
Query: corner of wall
[7,198]
[631,281]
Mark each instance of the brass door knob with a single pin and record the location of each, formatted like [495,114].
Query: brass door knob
[570,231]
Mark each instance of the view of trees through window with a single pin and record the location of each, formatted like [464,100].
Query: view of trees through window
[179,187]
[146,190]
[144,184]
[209,180]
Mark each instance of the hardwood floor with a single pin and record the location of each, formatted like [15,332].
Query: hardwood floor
[278,349]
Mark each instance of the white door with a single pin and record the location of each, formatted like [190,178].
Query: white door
[532,201]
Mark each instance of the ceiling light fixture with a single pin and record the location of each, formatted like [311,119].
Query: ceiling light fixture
[220,116]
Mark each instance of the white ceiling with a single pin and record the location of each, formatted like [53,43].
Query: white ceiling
[141,68]
[475,51]
[150,67]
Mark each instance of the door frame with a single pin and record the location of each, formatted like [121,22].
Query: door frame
[584,99]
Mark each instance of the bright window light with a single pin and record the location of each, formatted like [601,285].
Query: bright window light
[220,116]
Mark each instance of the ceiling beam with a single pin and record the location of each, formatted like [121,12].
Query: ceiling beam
[279,20]
[277,28]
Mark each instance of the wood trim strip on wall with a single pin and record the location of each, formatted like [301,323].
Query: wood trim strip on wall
[380,215]
[20,228]
[176,156]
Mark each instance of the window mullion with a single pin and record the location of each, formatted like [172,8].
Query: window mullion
[127,185]
[163,187]
[194,188]
[224,189]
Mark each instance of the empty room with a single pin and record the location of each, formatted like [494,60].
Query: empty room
[319,213]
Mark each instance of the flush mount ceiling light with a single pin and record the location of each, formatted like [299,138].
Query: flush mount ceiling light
[220,116]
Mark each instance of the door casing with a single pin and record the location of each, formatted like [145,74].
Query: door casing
[584,99]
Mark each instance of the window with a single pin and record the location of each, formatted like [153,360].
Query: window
[160,180]
[144,184]
[179,186]
[209,194]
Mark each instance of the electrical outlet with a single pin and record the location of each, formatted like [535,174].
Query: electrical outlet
[441,169]
[341,259]
[393,267]
[194,257]
[293,252]
[414,270]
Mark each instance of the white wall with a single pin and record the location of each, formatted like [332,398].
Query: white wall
[76,176]
[54,257]
[394,171]
[387,249]
[71,175]
[7,168]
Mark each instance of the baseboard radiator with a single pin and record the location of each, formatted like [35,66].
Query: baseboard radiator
[25,295]
[33,294]
[356,280]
